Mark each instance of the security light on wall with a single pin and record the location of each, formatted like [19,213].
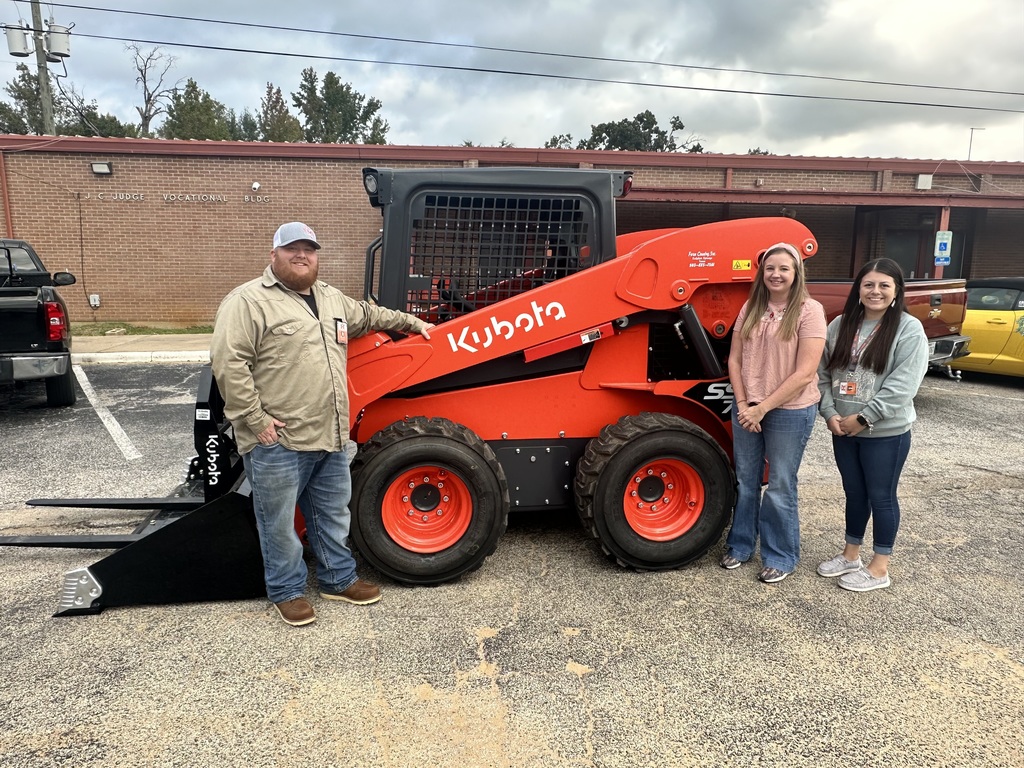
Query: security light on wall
[103,169]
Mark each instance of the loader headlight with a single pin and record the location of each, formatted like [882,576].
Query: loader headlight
[370,184]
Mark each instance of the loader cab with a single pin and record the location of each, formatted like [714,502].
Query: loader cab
[455,240]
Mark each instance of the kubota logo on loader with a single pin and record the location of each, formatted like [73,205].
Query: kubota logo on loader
[504,328]
[213,459]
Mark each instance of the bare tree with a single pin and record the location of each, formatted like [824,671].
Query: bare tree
[152,68]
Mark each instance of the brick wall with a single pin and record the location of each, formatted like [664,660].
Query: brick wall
[164,238]
[177,224]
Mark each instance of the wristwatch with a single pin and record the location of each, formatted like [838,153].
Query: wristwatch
[864,422]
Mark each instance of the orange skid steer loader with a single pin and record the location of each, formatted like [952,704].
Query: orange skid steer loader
[570,367]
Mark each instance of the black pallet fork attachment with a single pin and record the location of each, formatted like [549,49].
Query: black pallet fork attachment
[188,549]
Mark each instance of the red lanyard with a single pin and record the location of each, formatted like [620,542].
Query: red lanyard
[858,348]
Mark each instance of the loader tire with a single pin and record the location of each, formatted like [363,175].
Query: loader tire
[60,390]
[429,501]
[655,490]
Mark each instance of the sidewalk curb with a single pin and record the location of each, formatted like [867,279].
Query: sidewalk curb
[140,357]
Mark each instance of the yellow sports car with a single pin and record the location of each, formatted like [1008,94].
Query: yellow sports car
[995,323]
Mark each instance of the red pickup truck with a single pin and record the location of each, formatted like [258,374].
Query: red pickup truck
[938,304]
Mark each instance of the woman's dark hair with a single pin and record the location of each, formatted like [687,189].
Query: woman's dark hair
[876,354]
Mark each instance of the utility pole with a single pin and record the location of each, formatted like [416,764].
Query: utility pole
[43,74]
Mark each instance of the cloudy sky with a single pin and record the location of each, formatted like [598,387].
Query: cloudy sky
[872,78]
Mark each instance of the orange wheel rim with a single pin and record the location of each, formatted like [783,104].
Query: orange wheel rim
[426,509]
[663,499]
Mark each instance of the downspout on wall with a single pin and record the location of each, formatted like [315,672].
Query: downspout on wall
[6,196]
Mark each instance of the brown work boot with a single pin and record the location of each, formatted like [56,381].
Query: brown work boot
[296,612]
[360,593]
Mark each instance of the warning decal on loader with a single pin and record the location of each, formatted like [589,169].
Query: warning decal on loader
[740,265]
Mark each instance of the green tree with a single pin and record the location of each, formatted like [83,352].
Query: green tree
[504,143]
[89,122]
[82,118]
[275,122]
[758,151]
[244,127]
[24,113]
[194,114]
[561,141]
[11,120]
[336,113]
[639,134]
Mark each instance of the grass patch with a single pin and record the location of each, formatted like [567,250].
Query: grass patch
[103,329]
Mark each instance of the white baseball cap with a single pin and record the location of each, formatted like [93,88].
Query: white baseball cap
[292,231]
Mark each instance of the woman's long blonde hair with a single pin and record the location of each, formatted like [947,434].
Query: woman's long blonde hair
[757,301]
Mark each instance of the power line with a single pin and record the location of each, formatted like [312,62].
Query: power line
[526,52]
[551,76]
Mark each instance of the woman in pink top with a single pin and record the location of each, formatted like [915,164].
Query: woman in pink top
[776,347]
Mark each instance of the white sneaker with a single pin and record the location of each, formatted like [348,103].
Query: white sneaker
[839,565]
[863,581]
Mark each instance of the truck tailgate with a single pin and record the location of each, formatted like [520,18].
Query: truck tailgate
[20,321]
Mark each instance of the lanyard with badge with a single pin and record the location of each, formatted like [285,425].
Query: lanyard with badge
[850,386]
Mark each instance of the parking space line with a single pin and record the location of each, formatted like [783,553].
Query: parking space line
[976,394]
[120,438]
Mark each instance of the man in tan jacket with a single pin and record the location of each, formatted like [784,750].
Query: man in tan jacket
[279,354]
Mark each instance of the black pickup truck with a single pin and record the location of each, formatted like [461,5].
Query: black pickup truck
[35,336]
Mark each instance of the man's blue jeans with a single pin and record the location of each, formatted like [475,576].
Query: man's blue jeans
[320,483]
[870,468]
[773,517]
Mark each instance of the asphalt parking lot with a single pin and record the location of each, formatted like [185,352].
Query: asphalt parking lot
[548,655]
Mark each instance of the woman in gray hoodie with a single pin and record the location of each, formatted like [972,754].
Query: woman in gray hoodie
[876,355]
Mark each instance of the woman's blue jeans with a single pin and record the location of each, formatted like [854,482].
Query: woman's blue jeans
[320,483]
[871,468]
[773,516]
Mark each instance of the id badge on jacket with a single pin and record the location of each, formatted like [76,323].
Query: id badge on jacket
[858,386]
[341,330]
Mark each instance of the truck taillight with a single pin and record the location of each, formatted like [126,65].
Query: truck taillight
[56,321]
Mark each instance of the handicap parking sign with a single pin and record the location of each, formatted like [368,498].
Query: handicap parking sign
[943,247]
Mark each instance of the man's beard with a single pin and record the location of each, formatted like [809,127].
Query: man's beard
[295,281]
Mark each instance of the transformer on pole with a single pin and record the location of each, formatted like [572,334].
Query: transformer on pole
[52,45]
